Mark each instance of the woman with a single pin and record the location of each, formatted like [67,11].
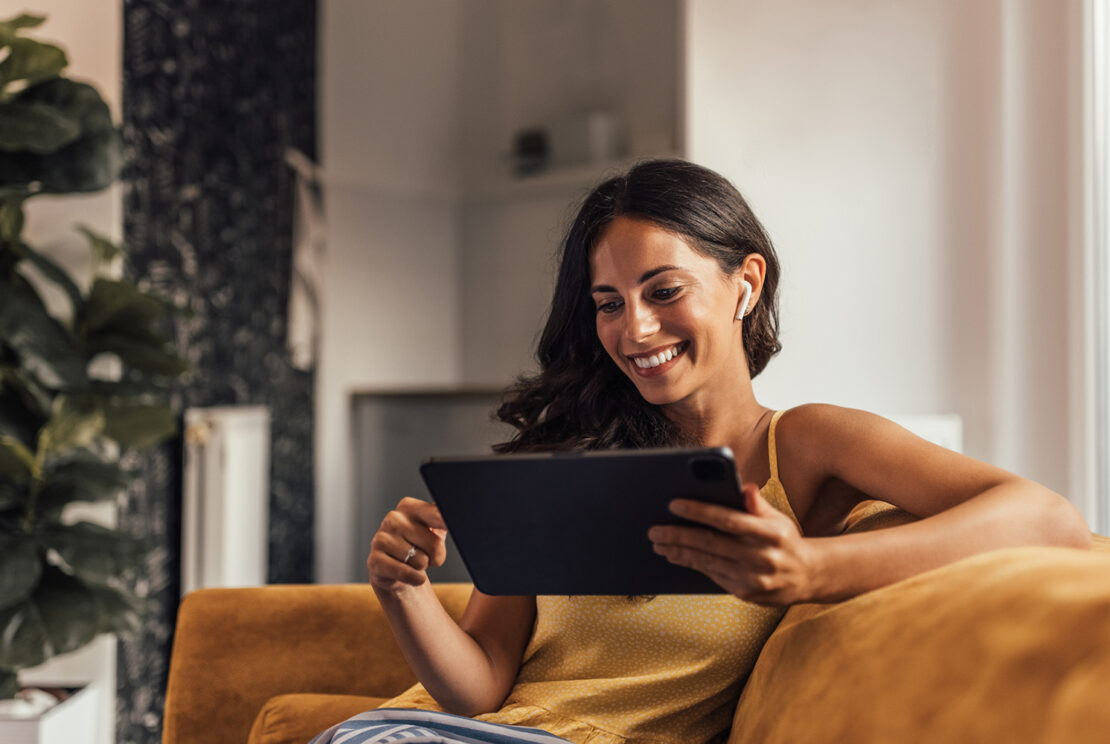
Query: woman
[664,311]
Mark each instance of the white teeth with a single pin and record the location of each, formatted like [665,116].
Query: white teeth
[656,359]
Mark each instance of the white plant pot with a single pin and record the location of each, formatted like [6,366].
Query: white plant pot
[93,666]
[72,720]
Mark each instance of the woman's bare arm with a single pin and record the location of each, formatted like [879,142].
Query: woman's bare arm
[468,667]
[966,507]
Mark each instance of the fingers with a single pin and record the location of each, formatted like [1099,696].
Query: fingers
[752,574]
[705,549]
[410,540]
[764,523]
[423,512]
[401,550]
[419,524]
[386,564]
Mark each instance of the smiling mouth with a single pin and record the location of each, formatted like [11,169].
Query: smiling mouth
[660,357]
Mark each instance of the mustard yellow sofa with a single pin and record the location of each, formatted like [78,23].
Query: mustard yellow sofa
[1008,646]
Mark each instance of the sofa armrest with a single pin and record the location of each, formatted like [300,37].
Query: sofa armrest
[234,649]
[1010,645]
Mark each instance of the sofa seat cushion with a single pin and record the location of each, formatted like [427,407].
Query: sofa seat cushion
[1010,645]
[295,719]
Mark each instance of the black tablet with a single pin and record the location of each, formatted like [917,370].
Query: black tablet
[576,523]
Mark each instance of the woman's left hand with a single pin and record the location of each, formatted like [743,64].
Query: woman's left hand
[759,555]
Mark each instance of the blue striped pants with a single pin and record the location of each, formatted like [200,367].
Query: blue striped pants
[428,727]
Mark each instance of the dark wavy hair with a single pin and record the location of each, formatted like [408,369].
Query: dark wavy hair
[580,399]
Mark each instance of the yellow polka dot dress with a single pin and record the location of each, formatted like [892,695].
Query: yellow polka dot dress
[610,670]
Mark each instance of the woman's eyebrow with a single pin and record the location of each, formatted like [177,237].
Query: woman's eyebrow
[646,275]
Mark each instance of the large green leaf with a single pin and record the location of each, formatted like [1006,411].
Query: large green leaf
[23,639]
[104,250]
[16,461]
[138,354]
[62,614]
[54,272]
[35,398]
[45,348]
[144,390]
[78,101]
[20,569]
[68,610]
[35,127]
[11,215]
[9,684]
[18,170]
[83,477]
[16,418]
[120,612]
[31,60]
[139,426]
[90,163]
[23,20]
[117,304]
[93,551]
[75,422]
[13,495]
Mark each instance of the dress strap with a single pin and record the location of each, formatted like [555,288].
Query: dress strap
[772,452]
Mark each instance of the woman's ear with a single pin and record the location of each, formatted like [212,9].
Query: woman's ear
[749,284]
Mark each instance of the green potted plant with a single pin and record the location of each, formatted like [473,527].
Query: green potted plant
[77,387]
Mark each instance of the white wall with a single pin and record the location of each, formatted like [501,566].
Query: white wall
[387,118]
[910,161]
[530,63]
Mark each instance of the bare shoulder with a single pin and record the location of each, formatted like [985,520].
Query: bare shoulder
[878,458]
[822,431]
[813,434]
[810,439]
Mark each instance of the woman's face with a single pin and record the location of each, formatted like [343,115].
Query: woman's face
[666,314]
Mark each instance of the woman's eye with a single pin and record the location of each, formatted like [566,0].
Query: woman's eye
[665,293]
[609,307]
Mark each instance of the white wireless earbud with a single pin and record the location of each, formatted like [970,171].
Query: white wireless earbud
[744,302]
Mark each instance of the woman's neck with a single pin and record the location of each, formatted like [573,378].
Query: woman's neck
[712,424]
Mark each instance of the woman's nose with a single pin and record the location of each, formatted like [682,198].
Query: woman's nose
[641,322]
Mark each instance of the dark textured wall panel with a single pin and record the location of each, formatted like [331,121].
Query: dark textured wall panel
[214,91]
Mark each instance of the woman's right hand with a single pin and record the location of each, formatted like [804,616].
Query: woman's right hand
[415,525]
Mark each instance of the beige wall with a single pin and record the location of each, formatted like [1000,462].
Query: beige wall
[911,162]
[92,35]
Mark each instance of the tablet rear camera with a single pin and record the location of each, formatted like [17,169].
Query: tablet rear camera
[709,470]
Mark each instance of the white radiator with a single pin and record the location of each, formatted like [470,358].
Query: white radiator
[226,504]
